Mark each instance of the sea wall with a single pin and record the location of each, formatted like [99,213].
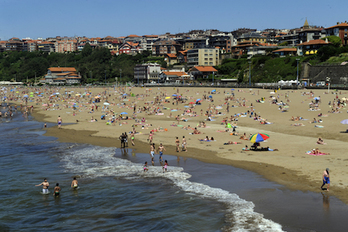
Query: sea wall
[338,73]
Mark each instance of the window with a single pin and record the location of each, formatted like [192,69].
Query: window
[210,62]
[205,62]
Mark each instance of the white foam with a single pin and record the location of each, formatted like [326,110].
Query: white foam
[98,161]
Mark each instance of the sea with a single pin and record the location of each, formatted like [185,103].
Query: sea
[115,194]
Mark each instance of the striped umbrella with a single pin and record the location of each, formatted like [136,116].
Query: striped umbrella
[256,138]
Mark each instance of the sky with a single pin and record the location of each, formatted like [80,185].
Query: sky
[101,18]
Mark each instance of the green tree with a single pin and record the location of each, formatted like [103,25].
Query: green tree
[334,40]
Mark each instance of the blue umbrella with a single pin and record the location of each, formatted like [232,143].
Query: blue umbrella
[213,90]
[198,99]
[124,113]
[174,95]
[232,89]
[124,94]
[210,96]
[26,95]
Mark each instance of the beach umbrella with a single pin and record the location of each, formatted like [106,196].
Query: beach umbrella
[167,97]
[345,121]
[256,138]
[106,104]
[174,95]
[124,113]
[198,99]
[232,89]
[191,103]
[210,96]
[26,95]
[213,90]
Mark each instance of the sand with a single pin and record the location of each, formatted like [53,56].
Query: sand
[290,166]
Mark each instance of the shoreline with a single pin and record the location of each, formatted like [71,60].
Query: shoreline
[290,179]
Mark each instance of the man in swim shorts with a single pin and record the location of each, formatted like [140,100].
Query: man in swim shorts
[74,183]
[59,121]
[57,189]
[45,186]
[326,179]
[160,150]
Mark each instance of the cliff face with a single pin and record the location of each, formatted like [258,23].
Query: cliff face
[337,73]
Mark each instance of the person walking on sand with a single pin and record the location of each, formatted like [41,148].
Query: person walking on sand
[177,143]
[74,183]
[59,121]
[132,139]
[45,186]
[161,148]
[326,179]
[184,143]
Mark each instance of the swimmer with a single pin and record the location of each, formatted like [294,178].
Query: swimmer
[45,186]
[145,167]
[57,190]
[74,183]
[165,166]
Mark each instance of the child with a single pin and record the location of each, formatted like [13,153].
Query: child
[165,166]
[145,167]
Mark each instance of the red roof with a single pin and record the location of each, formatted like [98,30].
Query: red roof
[205,68]
[171,55]
[62,69]
[175,73]
[314,42]
[286,50]
[338,25]
[133,36]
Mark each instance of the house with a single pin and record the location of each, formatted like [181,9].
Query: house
[339,30]
[203,56]
[200,72]
[252,36]
[311,47]
[162,47]
[174,76]
[286,52]
[61,75]
[45,46]
[170,59]
[182,56]
[130,48]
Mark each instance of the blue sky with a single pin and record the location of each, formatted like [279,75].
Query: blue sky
[100,18]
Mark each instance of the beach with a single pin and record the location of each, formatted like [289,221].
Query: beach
[290,166]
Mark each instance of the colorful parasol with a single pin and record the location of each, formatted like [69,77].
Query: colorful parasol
[256,138]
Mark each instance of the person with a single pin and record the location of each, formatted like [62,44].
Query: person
[326,179]
[161,148]
[74,183]
[57,190]
[246,148]
[152,153]
[184,143]
[165,167]
[231,142]
[132,139]
[320,141]
[145,167]
[59,121]
[45,186]
[177,142]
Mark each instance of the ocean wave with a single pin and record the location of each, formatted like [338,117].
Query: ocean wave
[92,161]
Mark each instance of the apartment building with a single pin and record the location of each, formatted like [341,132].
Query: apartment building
[340,30]
[203,57]
[162,47]
[65,46]
[148,72]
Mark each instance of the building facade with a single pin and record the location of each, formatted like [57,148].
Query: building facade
[203,56]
